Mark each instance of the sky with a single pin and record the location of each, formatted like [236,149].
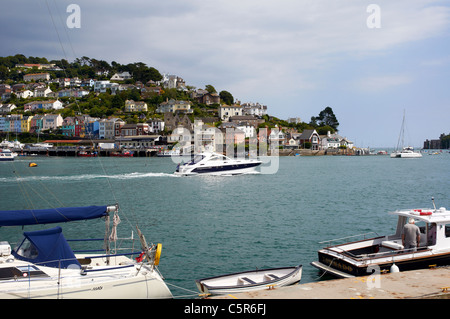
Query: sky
[370,61]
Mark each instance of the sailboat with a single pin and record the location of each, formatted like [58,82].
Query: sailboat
[43,265]
[404,151]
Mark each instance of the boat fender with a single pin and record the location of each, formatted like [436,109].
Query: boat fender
[394,268]
[158,253]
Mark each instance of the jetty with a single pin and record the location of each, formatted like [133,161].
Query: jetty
[431,283]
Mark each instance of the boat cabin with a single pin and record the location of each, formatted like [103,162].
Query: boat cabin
[434,225]
[353,258]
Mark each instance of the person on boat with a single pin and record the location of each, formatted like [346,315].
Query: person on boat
[411,235]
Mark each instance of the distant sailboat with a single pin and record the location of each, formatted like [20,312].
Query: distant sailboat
[404,151]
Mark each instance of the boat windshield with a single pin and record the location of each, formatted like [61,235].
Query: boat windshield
[27,250]
[197,159]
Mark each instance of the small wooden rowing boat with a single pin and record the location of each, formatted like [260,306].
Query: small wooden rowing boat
[250,280]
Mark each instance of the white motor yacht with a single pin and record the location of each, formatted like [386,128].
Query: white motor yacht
[6,155]
[387,253]
[211,163]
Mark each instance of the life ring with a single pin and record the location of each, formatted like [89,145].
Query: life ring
[425,213]
[158,253]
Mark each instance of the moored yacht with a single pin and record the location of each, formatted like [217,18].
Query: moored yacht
[43,265]
[361,258]
[406,152]
[211,163]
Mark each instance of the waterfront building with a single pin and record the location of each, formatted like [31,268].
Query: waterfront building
[310,136]
[156,125]
[108,128]
[52,121]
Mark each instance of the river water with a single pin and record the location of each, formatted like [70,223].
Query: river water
[216,225]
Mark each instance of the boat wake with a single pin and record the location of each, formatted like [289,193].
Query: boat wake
[84,177]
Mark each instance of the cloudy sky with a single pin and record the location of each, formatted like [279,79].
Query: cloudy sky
[368,63]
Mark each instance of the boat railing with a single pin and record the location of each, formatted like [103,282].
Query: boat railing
[387,253]
[333,242]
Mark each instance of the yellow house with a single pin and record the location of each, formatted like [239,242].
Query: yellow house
[25,123]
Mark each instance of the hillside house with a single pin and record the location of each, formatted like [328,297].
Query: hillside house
[227,111]
[310,136]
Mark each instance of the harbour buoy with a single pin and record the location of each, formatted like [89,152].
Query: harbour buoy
[394,268]
[32,165]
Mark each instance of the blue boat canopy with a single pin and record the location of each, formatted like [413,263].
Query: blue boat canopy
[46,248]
[52,215]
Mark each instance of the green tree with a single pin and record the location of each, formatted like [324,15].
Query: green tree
[326,118]
[226,97]
[210,88]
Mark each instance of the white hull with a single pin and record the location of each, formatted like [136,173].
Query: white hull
[224,172]
[250,280]
[406,155]
[217,164]
[100,282]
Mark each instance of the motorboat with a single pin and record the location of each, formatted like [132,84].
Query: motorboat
[15,145]
[211,163]
[43,265]
[169,153]
[406,152]
[39,147]
[387,253]
[250,280]
[6,155]
[87,154]
[122,154]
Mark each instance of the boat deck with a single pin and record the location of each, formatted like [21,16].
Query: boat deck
[423,283]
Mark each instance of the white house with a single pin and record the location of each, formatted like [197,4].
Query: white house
[156,125]
[42,91]
[248,129]
[6,108]
[25,94]
[335,141]
[102,86]
[121,76]
[226,111]
[46,105]
[254,109]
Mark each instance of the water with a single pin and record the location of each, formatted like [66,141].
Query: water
[216,225]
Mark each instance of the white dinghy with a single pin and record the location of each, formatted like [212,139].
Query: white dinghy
[250,280]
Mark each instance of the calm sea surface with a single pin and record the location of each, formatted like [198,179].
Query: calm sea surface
[215,225]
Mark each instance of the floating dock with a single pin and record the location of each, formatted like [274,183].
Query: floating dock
[414,284]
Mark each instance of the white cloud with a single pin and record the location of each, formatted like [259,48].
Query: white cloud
[382,82]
